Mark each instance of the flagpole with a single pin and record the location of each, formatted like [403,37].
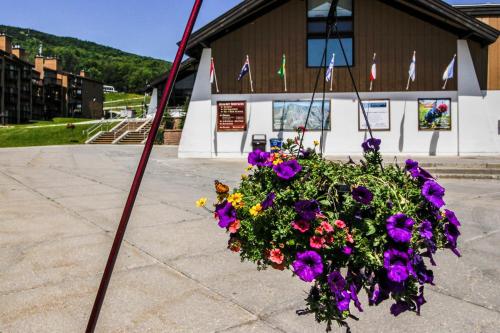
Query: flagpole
[250,73]
[215,77]
[445,82]
[284,71]
[331,79]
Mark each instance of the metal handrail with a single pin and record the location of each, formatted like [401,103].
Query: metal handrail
[93,129]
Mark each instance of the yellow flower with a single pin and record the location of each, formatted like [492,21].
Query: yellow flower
[249,167]
[277,161]
[256,210]
[201,202]
[235,199]
[316,143]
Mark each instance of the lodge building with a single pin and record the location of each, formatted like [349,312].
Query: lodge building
[42,91]
[406,120]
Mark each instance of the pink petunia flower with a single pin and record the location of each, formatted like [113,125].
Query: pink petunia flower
[301,225]
[349,238]
[327,227]
[276,256]
[316,242]
[340,224]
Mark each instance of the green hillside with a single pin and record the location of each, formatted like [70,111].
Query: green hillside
[125,71]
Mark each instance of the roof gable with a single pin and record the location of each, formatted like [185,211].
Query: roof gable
[435,11]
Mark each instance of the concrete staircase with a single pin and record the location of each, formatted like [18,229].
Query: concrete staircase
[117,133]
[464,170]
[136,136]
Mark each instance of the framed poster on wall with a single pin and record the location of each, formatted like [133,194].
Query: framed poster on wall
[378,113]
[290,115]
[434,114]
[231,116]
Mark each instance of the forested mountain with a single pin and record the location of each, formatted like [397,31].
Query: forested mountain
[125,71]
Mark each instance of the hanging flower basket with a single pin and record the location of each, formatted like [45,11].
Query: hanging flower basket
[342,227]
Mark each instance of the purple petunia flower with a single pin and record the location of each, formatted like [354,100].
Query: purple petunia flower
[397,265]
[420,300]
[371,145]
[287,170]
[399,227]
[307,209]
[452,233]
[269,201]
[226,214]
[347,250]
[343,301]
[411,164]
[452,218]
[434,193]
[423,274]
[354,297]
[417,172]
[426,230]
[336,282]
[259,158]
[362,195]
[399,307]
[308,265]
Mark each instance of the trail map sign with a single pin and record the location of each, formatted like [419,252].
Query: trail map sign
[231,116]
[378,113]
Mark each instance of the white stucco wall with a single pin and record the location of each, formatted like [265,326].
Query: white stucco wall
[475,116]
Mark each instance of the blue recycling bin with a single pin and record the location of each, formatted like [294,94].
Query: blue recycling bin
[276,144]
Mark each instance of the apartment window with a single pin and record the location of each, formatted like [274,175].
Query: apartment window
[317,13]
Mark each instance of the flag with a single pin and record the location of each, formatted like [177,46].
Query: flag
[213,75]
[449,73]
[413,66]
[282,71]
[373,72]
[329,72]
[212,71]
[245,69]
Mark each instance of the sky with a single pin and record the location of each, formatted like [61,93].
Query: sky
[148,27]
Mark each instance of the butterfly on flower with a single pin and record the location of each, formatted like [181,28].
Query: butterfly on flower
[222,190]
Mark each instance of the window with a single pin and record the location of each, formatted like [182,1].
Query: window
[317,13]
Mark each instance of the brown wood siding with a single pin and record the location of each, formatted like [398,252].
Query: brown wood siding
[493,56]
[380,28]
[479,55]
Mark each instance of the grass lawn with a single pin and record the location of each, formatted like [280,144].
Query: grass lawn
[55,121]
[40,135]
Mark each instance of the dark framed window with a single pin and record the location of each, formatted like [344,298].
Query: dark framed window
[317,13]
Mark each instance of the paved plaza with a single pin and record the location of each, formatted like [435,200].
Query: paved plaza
[59,209]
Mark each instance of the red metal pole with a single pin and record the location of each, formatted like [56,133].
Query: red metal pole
[115,249]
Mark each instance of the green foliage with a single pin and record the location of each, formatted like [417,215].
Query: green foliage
[125,71]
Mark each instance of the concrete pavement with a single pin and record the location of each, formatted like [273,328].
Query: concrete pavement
[59,209]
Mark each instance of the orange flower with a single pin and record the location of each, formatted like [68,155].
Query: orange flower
[319,230]
[276,256]
[234,227]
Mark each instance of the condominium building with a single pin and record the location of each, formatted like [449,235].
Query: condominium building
[43,90]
